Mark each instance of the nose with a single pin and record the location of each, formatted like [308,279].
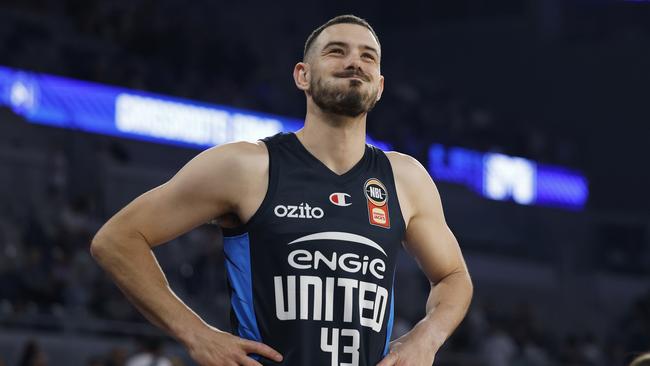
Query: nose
[354,66]
[354,60]
[354,63]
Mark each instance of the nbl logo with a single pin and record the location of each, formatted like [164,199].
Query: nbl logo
[377,197]
[376,192]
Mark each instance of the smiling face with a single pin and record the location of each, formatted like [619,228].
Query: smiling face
[341,70]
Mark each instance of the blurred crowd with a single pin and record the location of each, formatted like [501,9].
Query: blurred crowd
[163,46]
[45,266]
[148,352]
[520,338]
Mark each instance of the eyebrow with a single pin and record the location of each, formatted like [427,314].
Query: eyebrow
[343,44]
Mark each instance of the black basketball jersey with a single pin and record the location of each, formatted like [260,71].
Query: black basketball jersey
[311,273]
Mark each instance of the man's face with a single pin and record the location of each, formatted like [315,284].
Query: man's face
[345,74]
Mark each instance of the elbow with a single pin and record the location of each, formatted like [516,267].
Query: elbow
[110,246]
[471,293]
[463,285]
[97,248]
[470,283]
[470,288]
[100,246]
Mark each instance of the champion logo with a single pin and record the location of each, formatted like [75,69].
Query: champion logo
[340,199]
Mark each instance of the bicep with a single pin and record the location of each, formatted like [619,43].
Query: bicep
[428,237]
[200,191]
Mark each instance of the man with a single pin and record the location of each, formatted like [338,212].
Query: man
[313,222]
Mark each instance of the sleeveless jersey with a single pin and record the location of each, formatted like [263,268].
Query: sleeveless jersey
[311,273]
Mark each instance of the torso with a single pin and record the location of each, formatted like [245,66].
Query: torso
[312,267]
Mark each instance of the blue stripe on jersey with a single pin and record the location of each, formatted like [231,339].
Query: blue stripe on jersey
[389,326]
[238,267]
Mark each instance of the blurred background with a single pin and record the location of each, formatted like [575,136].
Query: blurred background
[532,117]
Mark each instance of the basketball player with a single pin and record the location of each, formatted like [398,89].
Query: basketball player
[313,222]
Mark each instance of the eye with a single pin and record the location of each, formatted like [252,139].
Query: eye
[369,56]
[336,50]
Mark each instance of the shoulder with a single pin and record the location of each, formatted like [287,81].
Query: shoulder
[238,150]
[228,166]
[233,157]
[407,169]
[415,188]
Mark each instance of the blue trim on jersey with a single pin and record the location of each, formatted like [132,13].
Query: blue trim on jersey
[238,268]
[389,326]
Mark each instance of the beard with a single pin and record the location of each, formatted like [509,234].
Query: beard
[347,100]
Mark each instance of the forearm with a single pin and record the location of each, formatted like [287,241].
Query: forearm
[446,307]
[133,267]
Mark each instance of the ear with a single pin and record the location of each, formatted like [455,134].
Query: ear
[381,87]
[302,75]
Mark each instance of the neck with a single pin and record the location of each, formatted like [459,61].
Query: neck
[337,141]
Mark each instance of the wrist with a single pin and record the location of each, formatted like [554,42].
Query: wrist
[188,333]
[431,334]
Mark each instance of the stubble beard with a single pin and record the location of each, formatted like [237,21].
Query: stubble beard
[348,101]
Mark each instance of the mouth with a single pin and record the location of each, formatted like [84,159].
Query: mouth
[357,78]
[353,77]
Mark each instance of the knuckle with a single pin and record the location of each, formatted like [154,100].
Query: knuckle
[265,348]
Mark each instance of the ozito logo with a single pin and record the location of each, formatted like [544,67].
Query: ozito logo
[340,199]
[303,211]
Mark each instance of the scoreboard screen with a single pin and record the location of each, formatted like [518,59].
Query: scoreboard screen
[502,177]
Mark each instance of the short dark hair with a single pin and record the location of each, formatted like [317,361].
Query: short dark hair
[642,360]
[341,19]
